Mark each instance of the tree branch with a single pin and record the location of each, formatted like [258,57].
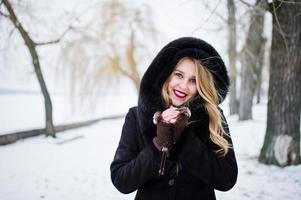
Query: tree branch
[56,40]
[1,13]
[213,11]
[19,26]
[4,15]
[246,3]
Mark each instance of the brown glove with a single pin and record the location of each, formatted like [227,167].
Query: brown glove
[164,133]
[181,123]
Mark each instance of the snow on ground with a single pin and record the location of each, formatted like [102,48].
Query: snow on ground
[23,111]
[39,168]
[42,168]
[255,180]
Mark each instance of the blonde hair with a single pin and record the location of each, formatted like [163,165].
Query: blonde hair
[206,89]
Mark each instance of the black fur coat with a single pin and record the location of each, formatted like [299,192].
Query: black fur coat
[194,170]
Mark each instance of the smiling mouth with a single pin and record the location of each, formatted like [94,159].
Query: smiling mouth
[179,94]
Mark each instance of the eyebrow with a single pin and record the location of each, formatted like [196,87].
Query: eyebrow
[184,73]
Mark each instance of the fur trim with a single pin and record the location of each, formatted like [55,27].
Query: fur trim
[150,98]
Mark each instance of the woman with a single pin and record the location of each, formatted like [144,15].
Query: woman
[175,144]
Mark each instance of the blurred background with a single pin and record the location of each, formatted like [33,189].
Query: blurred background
[70,70]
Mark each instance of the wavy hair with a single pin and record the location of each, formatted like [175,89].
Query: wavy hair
[207,91]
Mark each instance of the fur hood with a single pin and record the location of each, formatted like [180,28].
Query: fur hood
[150,98]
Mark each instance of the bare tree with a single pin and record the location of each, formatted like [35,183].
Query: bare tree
[31,46]
[261,65]
[250,61]
[282,140]
[252,56]
[233,104]
[117,39]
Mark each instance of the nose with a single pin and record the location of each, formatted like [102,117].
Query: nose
[184,85]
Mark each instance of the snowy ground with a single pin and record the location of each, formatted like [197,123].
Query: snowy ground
[42,168]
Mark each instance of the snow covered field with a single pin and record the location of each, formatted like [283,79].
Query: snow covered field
[42,168]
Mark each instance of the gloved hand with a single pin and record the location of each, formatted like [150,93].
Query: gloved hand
[164,133]
[180,123]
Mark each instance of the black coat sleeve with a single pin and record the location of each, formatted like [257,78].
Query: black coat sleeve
[132,167]
[204,163]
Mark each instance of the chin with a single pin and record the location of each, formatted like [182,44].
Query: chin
[178,104]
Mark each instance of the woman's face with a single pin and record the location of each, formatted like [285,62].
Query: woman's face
[182,85]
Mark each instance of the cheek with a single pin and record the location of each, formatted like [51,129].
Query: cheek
[193,90]
[172,84]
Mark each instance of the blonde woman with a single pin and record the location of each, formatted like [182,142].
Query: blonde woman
[175,144]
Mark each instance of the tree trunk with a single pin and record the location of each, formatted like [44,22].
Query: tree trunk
[282,140]
[233,104]
[259,70]
[31,45]
[250,68]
